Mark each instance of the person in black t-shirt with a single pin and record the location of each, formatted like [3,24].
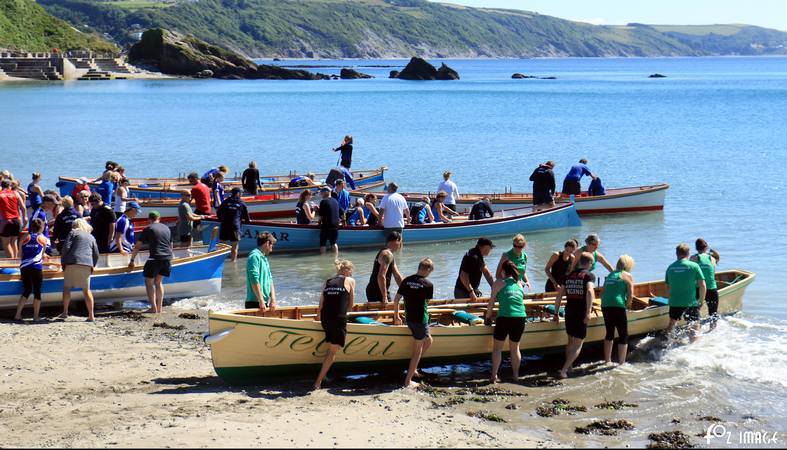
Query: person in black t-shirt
[472,268]
[329,220]
[543,179]
[416,291]
[347,151]
[338,296]
[481,209]
[231,213]
[578,290]
[251,179]
[102,219]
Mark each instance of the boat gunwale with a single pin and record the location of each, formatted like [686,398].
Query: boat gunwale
[511,197]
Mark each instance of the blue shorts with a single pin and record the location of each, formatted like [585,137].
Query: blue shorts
[420,330]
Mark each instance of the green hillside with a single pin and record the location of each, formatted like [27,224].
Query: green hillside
[393,28]
[24,25]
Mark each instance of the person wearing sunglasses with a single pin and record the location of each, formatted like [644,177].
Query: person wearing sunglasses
[517,256]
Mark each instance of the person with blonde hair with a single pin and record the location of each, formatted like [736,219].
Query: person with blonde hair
[517,256]
[78,259]
[509,293]
[416,291]
[592,243]
[615,300]
[450,189]
[338,297]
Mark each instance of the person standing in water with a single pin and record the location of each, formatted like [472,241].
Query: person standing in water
[346,150]
[517,256]
[509,292]
[559,266]
[707,263]
[592,243]
[578,291]
[615,300]
[329,221]
[338,297]
[416,291]
[687,291]
[384,269]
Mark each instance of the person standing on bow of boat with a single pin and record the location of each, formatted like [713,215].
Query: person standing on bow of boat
[416,291]
[559,266]
[481,209]
[578,290]
[384,268]
[338,297]
[571,184]
[250,179]
[159,264]
[687,289]
[78,259]
[304,214]
[394,211]
[450,189]
[260,291]
[346,150]
[102,219]
[707,259]
[615,301]
[509,292]
[544,187]
[329,221]
[471,270]
[231,214]
[123,242]
[592,243]
[517,256]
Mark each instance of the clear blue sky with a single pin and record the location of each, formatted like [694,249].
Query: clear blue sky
[766,13]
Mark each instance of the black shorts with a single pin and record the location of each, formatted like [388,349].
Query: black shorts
[229,234]
[252,304]
[420,330]
[689,313]
[572,187]
[335,331]
[575,320]
[541,198]
[712,299]
[373,294]
[461,293]
[452,207]
[10,227]
[550,287]
[184,238]
[32,279]
[329,235]
[510,327]
[615,318]
[156,267]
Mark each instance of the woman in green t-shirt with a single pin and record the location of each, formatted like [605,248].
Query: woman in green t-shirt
[517,256]
[615,300]
[510,322]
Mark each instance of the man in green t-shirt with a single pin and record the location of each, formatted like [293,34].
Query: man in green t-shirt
[260,292]
[685,280]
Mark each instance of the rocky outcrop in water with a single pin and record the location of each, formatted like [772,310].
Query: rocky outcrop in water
[350,74]
[657,75]
[420,69]
[393,74]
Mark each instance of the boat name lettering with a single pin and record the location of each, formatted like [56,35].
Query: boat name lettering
[248,234]
[302,342]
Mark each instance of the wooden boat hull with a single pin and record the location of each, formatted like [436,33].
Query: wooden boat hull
[249,348]
[195,272]
[294,237]
[168,188]
[619,200]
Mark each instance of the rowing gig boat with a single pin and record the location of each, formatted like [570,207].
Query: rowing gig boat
[248,347]
[618,200]
[196,271]
[294,237]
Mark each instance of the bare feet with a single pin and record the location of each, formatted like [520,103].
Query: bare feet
[316,387]
[493,379]
[562,375]
[63,316]
[417,374]
[150,311]
[410,385]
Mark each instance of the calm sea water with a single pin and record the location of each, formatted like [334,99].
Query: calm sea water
[715,129]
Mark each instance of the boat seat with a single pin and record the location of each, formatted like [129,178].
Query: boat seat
[659,301]
[551,310]
[466,317]
[363,320]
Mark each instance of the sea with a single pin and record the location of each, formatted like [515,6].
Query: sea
[715,129]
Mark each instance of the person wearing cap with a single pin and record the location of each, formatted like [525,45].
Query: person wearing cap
[450,189]
[81,185]
[124,229]
[543,179]
[102,219]
[329,220]
[186,219]
[472,268]
[231,213]
[159,264]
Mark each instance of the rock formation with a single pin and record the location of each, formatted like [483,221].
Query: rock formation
[420,69]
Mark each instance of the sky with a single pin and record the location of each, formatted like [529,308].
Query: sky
[765,13]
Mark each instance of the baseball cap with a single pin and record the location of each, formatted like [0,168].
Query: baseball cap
[154,214]
[134,205]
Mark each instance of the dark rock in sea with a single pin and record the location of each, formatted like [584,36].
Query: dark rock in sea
[669,439]
[271,72]
[447,73]
[549,78]
[350,74]
[657,75]
[394,74]
[207,73]
[521,76]
[420,69]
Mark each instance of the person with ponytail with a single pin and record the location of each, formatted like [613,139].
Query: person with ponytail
[338,297]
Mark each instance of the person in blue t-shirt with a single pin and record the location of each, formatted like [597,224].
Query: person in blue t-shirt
[571,185]
[124,239]
[342,197]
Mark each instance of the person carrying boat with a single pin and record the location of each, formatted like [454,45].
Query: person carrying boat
[200,193]
[450,189]
[34,192]
[416,291]
[304,214]
[12,218]
[559,266]
[517,256]
[231,214]
[578,290]
[217,190]
[441,211]
[78,259]
[687,289]
[329,221]
[707,259]
[159,264]
[592,243]
[571,184]
[471,270]
[346,150]
[31,266]
[394,210]
[481,209]
[123,242]
[102,219]
[421,213]
[186,219]
[260,291]
[544,188]
[250,179]
[384,269]
[64,222]
[338,297]
[615,300]
[509,292]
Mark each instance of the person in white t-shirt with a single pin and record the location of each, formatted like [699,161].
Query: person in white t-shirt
[394,210]
[449,187]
